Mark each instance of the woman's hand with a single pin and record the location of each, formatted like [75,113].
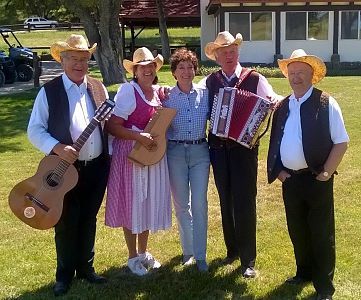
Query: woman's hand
[146,139]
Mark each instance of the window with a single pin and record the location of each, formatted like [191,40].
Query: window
[350,25]
[252,26]
[307,25]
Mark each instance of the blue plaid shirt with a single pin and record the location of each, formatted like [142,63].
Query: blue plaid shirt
[192,113]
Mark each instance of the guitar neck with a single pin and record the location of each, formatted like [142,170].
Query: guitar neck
[85,134]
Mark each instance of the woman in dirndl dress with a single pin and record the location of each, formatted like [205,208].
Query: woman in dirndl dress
[138,198]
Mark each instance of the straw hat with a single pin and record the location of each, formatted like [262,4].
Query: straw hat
[143,56]
[75,42]
[224,39]
[318,66]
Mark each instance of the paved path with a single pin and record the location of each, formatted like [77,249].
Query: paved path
[50,69]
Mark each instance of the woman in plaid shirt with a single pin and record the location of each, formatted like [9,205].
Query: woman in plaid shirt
[188,157]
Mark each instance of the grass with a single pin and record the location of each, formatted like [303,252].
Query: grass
[27,260]
[147,37]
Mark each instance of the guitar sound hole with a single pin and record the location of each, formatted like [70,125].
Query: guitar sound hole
[52,180]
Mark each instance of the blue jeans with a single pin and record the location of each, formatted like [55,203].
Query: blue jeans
[189,171]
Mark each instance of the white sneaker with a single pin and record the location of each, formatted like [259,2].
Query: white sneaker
[149,261]
[135,265]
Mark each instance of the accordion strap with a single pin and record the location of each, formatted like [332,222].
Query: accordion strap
[244,75]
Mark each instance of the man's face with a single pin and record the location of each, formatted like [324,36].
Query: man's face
[300,77]
[227,57]
[75,65]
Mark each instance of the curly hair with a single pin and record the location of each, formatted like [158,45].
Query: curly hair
[183,54]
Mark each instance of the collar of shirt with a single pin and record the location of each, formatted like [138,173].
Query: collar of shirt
[68,83]
[155,101]
[303,98]
[236,73]
[178,91]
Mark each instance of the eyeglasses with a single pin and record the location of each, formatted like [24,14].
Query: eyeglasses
[76,60]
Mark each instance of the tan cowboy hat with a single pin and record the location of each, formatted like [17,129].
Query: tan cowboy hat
[75,42]
[318,66]
[143,56]
[224,39]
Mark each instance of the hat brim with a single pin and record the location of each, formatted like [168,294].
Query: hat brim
[211,47]
[318,66]
[59,47]
[129,65]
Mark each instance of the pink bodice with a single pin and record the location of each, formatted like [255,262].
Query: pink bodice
[142,113]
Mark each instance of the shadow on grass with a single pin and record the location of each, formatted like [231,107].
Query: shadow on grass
[172,281]
[14,115]
[286,292]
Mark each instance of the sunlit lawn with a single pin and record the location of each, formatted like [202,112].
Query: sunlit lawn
[27,256]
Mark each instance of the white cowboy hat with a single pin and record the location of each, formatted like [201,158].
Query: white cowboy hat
[318,66]
[75,42]
[224,39]
[143,56]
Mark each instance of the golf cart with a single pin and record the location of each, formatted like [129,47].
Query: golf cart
[21,56]
[7,69]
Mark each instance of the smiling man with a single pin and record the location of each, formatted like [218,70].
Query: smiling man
[235,166]
[62,110]
[308,141]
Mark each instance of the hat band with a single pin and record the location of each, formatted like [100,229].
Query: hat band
[144,60]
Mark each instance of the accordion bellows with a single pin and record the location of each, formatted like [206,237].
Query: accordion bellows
[239,115]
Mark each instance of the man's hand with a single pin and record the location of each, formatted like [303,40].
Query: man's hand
[66,152]
[283,175]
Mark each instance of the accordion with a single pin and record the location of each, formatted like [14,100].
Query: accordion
[239,115]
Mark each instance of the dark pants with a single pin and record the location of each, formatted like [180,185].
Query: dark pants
[235,175]
[75,231]
[311,226]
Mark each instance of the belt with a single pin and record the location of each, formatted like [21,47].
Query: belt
[85,163]
[298,172]
[194,142]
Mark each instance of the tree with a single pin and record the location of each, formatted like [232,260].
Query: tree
[163,30]
[106,33]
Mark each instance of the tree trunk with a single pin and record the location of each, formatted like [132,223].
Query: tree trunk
[163,30]
[107,35]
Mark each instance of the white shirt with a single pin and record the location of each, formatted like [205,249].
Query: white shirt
[81,112]
[291,149]
[125,102]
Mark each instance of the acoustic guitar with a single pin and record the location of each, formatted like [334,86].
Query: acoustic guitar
[157,127]
[38,200]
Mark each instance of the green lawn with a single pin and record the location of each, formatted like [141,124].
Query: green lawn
[27,256]
[146,37]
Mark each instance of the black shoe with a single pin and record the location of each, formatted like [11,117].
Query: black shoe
[297,280]
[60,288]
[249,272]
[229,260]
[323,297]
[92,277]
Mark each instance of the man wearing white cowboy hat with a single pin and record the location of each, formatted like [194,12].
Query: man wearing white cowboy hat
[62,110]
[307,143]
[234,166]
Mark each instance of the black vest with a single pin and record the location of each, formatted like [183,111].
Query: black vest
[316,137]
[59,115]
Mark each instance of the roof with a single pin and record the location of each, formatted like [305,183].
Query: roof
[144,12]
[214,4]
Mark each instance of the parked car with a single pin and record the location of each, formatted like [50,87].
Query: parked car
[38,22]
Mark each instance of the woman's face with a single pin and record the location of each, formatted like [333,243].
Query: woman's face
[145,73]
[184,73]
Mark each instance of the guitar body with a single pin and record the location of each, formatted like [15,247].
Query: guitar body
[38,200]
[157,127]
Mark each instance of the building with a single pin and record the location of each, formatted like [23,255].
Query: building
[273,29]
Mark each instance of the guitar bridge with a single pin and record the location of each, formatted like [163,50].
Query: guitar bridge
[37,202]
